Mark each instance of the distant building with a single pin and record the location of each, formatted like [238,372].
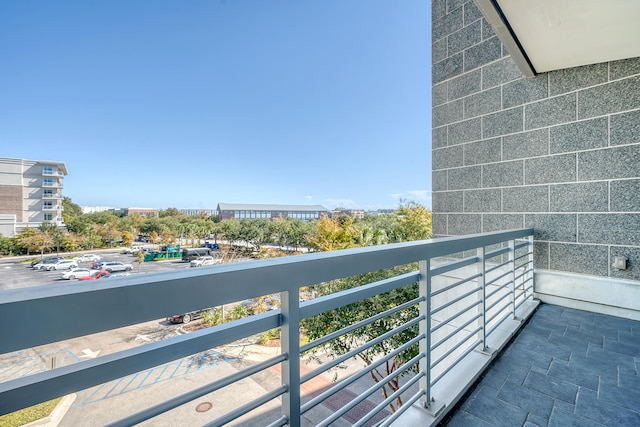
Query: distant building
[198,212]
[254,211]
[30,194]
[355,213]
[96,209]
[146,212]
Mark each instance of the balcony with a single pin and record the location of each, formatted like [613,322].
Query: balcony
[49,172]
[54,184]
[54,196]
[466,298]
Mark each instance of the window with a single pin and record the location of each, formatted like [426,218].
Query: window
[48,182]
[47,170]
[48,217]
[48,205]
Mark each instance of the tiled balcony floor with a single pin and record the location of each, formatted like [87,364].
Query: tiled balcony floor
[565,368]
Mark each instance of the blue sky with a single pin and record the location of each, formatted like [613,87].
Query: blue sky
[186,104]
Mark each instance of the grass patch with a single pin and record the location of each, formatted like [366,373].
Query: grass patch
[27,415]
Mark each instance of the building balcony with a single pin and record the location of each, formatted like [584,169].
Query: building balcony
[54,196]
[465,299]
[56,184]
[52,173]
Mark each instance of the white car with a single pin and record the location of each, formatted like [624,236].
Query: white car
[112,266]
[76,273]
[133,250]
[204,260]
[63,264]
[88,258]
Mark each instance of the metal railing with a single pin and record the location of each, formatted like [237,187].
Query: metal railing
[462,289]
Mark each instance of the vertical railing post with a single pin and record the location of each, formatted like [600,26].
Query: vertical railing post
[530,266]
[512,276]
[290,339]
[482,294]
[424,286]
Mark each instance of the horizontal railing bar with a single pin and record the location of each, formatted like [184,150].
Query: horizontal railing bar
[506,306]
[358,325]
[247,407]
[27,391]
[496,302]
[522,244]
[523,300]
[401,410]
[455,300]
[494,253]
[497,289]
[453,265]
[455,285]
[282,421]
[523,256]
[368,392]
[519,266]
[331,302]
[492,269]
[459,313]
[174,402]
[306,377]
[455,347]
[496,268]
[494,327]
[362,421]
[357,375]
[471,348]
[522,274]
[455,331]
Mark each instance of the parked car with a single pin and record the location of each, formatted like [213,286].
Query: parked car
[62,264]
[133,249]
[100,274]
[88,258]
[77,273]
[204,260]
[112,266]
[46,260]
[187,317]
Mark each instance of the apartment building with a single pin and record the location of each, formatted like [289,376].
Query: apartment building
[30,194]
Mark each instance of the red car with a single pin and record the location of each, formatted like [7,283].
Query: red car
[98,275]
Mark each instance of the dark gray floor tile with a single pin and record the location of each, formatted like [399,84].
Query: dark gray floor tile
[561,418]
[602,368]
[610,394]
[588,406]
[558,351]
[620,360]
[537,420]
[576,344]
[550,325]
[628,348]
[564,406]
[494,379]
[554,388]
[605,331]
[465,419]
[530,400]
[565,373]
[617,322]
[592,337]
[516,369]
[496,412]
[628,380]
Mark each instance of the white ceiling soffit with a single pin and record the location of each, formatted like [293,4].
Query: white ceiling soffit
[546,35]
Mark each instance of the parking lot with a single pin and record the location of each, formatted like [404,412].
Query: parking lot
[16,272]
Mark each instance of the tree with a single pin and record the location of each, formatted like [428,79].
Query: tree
[35,240]
[334,233]
[411,222]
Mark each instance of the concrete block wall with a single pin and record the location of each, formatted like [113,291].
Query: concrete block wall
[559,152]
